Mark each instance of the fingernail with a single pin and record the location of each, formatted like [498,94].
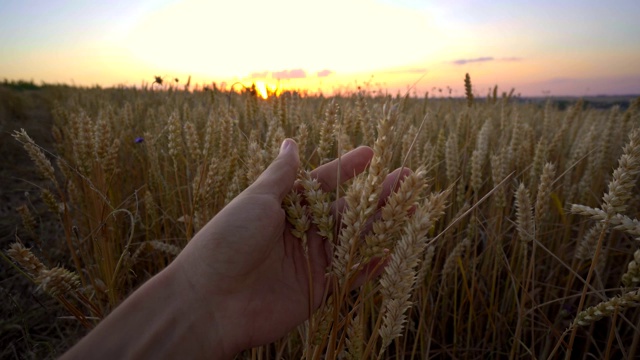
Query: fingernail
[286,145]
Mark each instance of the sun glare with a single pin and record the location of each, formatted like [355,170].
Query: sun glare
[262,90]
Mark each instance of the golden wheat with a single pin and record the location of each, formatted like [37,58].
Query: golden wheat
[172,160]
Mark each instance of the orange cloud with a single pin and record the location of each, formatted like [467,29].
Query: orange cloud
[289,74]
[324,73]
[259,75]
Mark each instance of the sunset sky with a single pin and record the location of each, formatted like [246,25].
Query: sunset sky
[577,47]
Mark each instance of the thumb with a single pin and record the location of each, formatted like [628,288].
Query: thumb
[279,177]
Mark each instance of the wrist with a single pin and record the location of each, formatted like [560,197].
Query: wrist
[160,320]
[202,314]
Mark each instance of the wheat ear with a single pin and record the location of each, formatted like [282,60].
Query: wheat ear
[37,155]
[607,308]
[400,274]
[544,191]
[58,281]
[525,223]
[394,215]
[319,203]
[624,177]
[297,217]
[26,259]
[632,276]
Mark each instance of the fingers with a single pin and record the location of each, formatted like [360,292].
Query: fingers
[344,168]
[279,177]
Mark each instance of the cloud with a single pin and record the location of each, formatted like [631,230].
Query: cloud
[485,59]
[289,74]
[324,73]
[259,75]
[476,60]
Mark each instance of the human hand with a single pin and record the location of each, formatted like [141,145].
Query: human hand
[242,281]
[247,267]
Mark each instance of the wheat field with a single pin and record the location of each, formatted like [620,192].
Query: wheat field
[515,236]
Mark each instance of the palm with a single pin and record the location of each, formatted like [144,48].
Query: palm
[247,256]
[285,286]
[268,276]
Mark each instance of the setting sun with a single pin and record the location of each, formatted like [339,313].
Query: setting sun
[262,89]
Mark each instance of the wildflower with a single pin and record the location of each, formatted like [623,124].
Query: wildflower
[139,140]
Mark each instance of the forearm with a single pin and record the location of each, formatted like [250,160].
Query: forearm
[156,322]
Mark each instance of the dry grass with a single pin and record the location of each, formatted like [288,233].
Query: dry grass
[494,260]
